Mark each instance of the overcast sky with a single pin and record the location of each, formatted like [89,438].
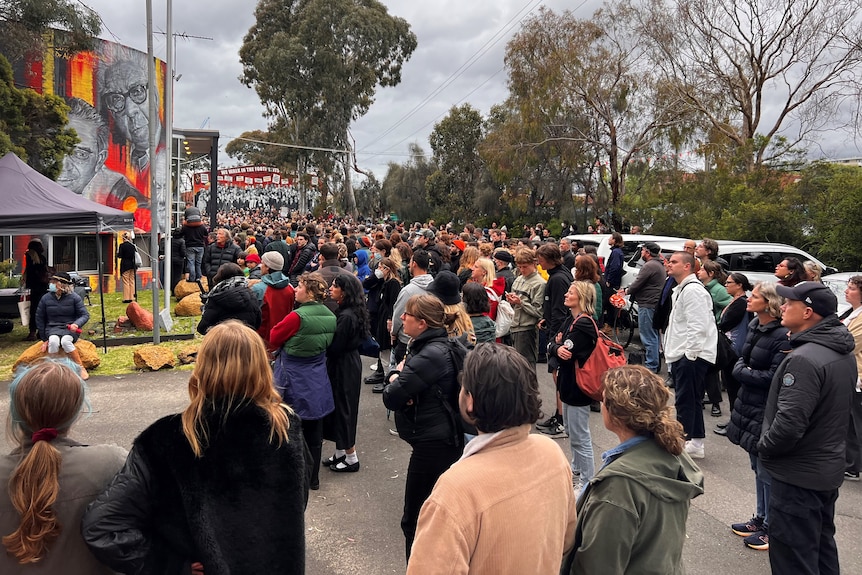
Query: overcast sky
[459,59]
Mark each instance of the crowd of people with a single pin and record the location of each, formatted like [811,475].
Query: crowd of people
[459,321]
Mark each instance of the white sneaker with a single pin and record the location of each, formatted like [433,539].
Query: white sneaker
[577,485]
[693,451]
[373,366]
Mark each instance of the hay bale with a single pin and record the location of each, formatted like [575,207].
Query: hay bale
[154,357]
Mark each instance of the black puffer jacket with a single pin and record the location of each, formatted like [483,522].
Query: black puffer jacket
[582,333]
[231,299]
[53,316]
[763,351]
[804,433]
[426,418]
[168,508]
[215,256]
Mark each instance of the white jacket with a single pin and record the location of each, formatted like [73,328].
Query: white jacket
[691,330]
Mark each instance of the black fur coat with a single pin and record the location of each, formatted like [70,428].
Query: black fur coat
[238,509]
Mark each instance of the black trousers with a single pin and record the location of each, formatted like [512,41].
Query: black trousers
[427,463]
[854,434]
[312,432]
[802,530]
[689,378]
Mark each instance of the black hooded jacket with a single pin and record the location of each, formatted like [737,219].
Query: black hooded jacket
[808,410]
[231,299]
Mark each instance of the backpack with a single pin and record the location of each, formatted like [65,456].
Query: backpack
[138,261]
[606,355]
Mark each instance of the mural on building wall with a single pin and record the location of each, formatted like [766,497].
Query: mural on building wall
[107,91]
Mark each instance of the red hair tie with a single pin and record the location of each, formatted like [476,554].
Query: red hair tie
[44,434]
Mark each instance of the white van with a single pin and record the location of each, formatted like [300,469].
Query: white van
[631,249]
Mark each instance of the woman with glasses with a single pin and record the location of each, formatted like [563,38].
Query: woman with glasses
[790,271]
[733,325]
[423,393]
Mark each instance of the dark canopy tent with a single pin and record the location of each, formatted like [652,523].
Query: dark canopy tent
[32,204]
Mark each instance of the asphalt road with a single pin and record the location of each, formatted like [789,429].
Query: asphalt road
[352,522]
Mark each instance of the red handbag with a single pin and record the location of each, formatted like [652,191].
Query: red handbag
[606,355]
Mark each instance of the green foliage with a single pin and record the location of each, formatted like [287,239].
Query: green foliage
[403,190]
[33,126]
[834,196]
[25,23]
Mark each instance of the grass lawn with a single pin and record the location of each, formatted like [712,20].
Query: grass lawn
[119,359]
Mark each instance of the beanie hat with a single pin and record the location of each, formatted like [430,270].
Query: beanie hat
[255,259]
[273,260]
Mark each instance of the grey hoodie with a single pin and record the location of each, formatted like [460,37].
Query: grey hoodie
[802,441]
[418,285]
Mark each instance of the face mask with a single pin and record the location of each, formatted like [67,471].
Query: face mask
[378,256]
[378,274]
[52,288]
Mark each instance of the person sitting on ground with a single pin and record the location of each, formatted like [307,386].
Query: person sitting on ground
[49,478]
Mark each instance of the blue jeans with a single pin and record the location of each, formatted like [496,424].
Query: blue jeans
[576,419]
[649,337]
[194,257]
[762,481]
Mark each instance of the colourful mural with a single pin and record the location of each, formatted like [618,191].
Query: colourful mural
[108,93]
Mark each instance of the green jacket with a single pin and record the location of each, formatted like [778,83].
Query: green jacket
[632,515]
[315,332]
[720,298]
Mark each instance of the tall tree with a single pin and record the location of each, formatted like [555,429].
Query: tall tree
[316,65]
[597,74]
[404,187]
[455,142]
[33,126]
[757,68]
[25,23]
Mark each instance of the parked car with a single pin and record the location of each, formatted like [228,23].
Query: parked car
[757,260]
[838,283]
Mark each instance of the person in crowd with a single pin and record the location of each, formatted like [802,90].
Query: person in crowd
[60,317]
[422,391]
[708,249]
[690,348]
[502,265]
[178,258]
[645,290]
[713,277]
[301,255]
[802,443]
[465,265]
[790,272]
[477,306]
[614,273]
[344,368]
[49,478]
[554,313]
[766,345]
[812,271]
[573,342]
[418,265]
[274,293]
[457,320]
[252,262]
[362,269]
[36,280]
[506,472]
[198,485]
[632,515]
[567,253]
[733,324]
[406,254]
[300,370]
[330,266]
[194,233]
[485,274]
[222,251]
[853,320]
[587,270]
[230,298]
[527,300]
[128,270]
[387,286]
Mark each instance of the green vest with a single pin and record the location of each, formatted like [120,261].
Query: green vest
[315,332]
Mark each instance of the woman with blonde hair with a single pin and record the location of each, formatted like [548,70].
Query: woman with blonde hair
[465,264]
[50,478]
[485,273]
[643,491]
[198,485]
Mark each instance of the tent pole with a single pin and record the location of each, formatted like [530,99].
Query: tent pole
[101,291]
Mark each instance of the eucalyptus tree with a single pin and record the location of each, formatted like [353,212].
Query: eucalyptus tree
[316,65]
